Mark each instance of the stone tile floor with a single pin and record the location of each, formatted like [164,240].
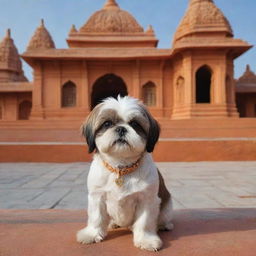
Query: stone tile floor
[63,186]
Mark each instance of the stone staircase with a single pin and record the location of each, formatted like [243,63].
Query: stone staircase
[226,139]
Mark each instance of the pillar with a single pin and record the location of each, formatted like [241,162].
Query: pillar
[136,81]
[37,94]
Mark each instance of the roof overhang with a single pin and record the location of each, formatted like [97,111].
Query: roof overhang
[123,40]
[96,54]
[16,87]
[235,46]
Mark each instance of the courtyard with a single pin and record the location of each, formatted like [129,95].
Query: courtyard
[43,205]
[192,184]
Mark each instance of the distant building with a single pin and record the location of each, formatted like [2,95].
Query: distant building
[246,94]
[112,54]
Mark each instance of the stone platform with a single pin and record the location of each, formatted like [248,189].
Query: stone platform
[181,140]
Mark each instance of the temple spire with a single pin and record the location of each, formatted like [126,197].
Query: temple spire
[10,61]
[41,38]
[110,4]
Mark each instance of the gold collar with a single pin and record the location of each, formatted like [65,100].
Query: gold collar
[121,171]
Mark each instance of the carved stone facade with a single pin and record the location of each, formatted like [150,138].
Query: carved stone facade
[112,54]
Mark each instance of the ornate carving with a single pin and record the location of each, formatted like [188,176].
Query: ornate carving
[111,19]
[203,16]
[9,53]
[9,57]
[41,39]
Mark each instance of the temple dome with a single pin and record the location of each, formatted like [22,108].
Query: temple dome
[248,77]
[203,16]
[10,58]
[111,19]
[41,39]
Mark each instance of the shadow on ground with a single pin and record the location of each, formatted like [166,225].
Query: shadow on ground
[202,232]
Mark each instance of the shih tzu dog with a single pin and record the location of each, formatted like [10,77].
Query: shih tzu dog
[125,187]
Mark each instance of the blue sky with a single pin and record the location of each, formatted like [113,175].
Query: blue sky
[23,17]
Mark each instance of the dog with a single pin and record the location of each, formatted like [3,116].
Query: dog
[125,188]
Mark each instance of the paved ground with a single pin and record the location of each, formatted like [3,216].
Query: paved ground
[193,185]
[197,232]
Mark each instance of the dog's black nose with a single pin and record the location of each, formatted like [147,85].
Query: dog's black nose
[121,131]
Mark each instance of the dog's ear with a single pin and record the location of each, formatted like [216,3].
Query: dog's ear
[88,133]
[153,134]
[153,131]
[88,129]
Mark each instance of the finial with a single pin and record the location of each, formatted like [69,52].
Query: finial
[110,4]
[8,33]
[150,30]
[42,23]
[73,29]
[199,1]
[248,68]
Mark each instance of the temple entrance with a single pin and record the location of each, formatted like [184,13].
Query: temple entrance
[108,85]
[203,85]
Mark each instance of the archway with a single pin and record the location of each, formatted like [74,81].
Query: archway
[68,95]
[106,86]
[149,94]
[203,85]
[24,110]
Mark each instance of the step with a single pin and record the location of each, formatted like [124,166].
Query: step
[166,150]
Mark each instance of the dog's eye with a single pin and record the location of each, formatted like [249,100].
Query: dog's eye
[134,124]
[107,124]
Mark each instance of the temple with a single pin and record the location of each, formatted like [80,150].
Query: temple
[112,54]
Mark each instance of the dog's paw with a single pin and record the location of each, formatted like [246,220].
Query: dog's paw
[149,242]
[89,236]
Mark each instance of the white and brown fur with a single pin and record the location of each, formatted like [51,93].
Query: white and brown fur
[121,131]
